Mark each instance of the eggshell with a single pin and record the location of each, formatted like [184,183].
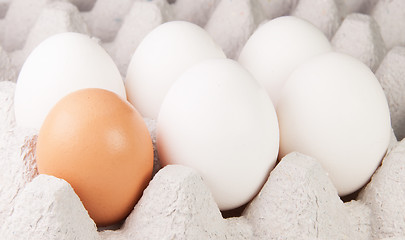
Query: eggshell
[279,46]
[218,120]
[97,142]
[62,64]
[333,109]
[162,56]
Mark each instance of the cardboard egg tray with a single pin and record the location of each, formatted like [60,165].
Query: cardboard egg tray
[298,201]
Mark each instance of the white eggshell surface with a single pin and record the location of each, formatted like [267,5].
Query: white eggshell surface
[333,109]
[60,65]
[162,56]
[277,47]
[217,119]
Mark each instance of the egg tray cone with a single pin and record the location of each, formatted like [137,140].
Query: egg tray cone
[298,201]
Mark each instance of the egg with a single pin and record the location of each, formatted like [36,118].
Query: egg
[62,64]
[333,109]
[218,120]
[97,142]
[162,56]
[277,47]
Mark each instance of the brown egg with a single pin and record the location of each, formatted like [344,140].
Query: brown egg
[99,143]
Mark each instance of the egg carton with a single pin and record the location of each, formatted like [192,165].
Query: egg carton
[298,200]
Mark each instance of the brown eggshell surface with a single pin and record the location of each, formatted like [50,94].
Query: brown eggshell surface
[99,143]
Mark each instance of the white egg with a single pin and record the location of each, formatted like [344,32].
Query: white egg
[60,65]
[218,120]
[277,47]
[334,109]
[162,56]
